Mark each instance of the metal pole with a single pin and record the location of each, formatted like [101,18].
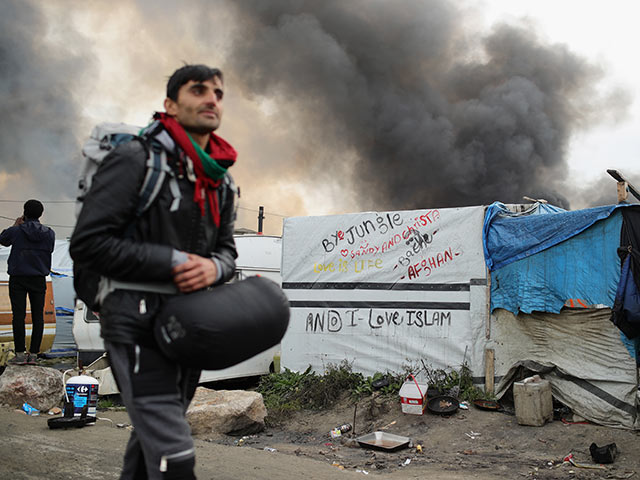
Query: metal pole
[260,219]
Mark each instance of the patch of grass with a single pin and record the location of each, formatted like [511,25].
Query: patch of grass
[110,402]
[287,392]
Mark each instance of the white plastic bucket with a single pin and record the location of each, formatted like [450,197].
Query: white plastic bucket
[82,390]
[413,396]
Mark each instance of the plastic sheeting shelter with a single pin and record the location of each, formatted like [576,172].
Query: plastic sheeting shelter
[581,354]
[386,289]
[539,263]
[381,290]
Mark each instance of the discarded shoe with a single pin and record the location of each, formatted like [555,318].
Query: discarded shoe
[605,454]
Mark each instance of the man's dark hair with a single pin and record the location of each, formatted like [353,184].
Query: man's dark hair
[197,73]
[33,209]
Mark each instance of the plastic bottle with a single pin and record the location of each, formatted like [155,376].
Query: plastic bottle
[341,430]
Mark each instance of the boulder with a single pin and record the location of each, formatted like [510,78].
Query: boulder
[40,387]
[231,412]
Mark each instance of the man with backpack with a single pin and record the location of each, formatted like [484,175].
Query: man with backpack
[181,242]
[28,265]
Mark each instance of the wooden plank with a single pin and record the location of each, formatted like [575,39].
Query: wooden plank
[623,193]
[619,178]
[489,371]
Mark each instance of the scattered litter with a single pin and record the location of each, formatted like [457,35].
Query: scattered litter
[29,410]
[488,405]
[104,419]
[269,449]
[55,411]
[622,476]
[240,442]
[567,422]
[362,471]
[407,461]
[378,384]
[570,459]
[473,435]
[469,452]
[605,454]
[389,425]
[350,442]
[419,448]
[464,405]
[341,430]
[337,465]
[383,441]
[122,425]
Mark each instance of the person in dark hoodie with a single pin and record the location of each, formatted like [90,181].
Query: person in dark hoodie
[28,265]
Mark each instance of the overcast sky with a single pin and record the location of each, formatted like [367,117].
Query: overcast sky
[336,106]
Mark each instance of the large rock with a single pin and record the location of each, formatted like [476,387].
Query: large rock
[40,387]
[232,412]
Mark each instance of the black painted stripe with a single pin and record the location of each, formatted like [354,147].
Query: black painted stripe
[435,287]
[389,304]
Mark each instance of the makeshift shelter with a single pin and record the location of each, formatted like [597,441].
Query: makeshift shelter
[385,289]
[381,290]
[539,264]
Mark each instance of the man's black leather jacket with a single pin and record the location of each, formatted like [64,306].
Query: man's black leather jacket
[109,240]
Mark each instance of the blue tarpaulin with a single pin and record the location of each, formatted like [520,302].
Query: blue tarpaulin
[585,266]
[508,237]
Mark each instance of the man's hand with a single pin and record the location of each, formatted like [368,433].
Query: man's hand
[196,273]
[19,221]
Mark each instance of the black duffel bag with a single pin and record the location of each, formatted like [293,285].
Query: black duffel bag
[217,328]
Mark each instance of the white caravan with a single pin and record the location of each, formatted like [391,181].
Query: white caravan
[257,255]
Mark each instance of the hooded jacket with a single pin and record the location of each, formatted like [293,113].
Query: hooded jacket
[31,246]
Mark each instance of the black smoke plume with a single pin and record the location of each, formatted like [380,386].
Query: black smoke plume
[399,102]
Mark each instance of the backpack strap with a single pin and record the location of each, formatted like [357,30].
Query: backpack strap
[228,184]
[157,170]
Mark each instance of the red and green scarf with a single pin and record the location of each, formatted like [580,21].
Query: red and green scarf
[209,167]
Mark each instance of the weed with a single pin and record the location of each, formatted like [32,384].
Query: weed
[454,382]
[289,391]
[110,402]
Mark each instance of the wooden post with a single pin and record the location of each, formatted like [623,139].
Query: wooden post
[487,326]
[623,192]
[489,371]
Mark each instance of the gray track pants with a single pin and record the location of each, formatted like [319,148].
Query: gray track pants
[156,393]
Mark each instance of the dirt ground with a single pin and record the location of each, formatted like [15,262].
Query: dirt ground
[468,444]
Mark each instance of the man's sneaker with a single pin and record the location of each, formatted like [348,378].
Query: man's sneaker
[19,359]
[32,359]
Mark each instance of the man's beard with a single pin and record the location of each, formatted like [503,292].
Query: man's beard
[200,129]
